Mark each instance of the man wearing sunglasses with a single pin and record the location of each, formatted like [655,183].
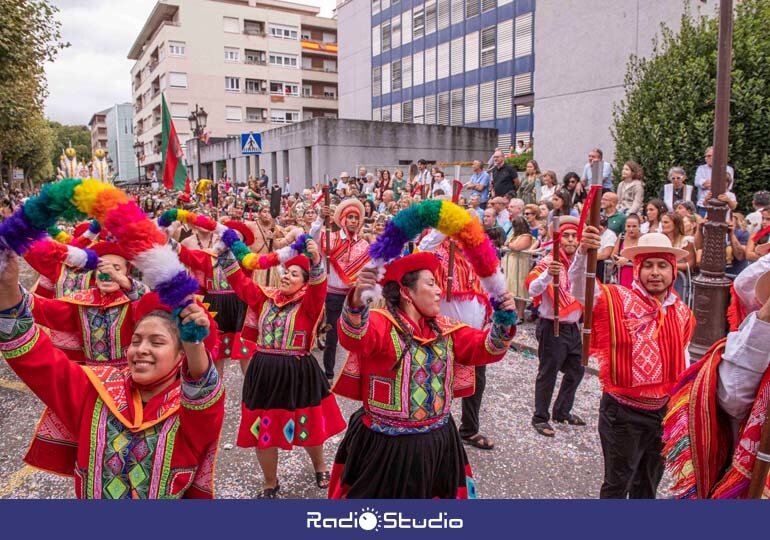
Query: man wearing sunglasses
[703,180]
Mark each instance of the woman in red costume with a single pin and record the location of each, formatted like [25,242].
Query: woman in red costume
[286,397]
[146,431]
[406,363]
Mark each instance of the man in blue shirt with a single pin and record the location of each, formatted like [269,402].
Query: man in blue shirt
[593,156]
[479,182]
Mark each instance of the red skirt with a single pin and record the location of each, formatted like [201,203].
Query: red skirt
[286,402]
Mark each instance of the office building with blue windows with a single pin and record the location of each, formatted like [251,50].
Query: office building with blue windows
[453,62]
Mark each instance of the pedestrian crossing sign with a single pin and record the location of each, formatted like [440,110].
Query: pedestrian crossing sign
[251,144]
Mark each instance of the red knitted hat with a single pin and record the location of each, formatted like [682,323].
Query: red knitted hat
[298,260]
[241,227]
[397,269]
[109,248]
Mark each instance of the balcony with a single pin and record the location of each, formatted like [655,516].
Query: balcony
[319,47]
[320,102]
[253,28]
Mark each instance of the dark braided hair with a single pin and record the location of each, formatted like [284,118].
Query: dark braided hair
[391,292]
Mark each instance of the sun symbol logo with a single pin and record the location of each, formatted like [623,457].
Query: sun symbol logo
[369,520]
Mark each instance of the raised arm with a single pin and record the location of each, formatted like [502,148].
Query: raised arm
[745,281]
[477,347]
[54,313]
[244,288]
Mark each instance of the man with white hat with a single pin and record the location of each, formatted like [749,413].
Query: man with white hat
[640,337]
[713,429]
[348,253]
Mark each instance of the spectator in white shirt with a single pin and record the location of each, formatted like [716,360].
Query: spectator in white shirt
[441,184]
[760,201]
[703,180]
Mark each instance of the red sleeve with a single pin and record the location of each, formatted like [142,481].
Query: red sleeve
[362,333]
[202,410]
[46,257]
[247,290]
[315,297]
[196,260]
[55,314]
[477,347]
[59,383]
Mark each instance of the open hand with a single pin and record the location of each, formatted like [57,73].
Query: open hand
[312,249]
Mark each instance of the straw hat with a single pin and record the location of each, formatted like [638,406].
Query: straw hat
[762,288]
[349,205]
[653,243]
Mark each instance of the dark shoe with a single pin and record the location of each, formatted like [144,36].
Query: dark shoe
[479,441]
[322,479]
[544,429]
[572,419]
[269,493]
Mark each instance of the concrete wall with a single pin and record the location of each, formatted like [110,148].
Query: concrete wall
[582,49]
[336,145]
[355,59]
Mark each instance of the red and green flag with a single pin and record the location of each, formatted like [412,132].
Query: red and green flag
[174,167]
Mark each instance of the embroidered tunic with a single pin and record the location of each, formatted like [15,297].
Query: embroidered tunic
[121,448]
[415,394]
[56,278]
[347,256]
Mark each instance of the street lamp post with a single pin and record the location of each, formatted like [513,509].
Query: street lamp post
[711,287]
[197,120]
[138,151]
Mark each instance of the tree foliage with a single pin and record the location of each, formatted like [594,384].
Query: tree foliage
[667,116]
[64,135]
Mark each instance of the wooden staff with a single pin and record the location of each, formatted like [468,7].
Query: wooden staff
[556,251]
[327,224]
[593,220]
[457,187]
[762,463]
[269,249]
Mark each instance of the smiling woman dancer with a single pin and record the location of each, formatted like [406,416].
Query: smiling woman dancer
[144,432]
[403,365]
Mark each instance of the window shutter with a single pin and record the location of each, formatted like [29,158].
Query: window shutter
[430,109]
[376,81]
[456,98]
[376,40]
[471,8]
[471,104]
[418,111]
[418,68]
[406,112]
[442,60]
[443,109]
[406,26]
[395,112]
[505,41]
[430,64]
[523,44]
[458,14]
[406,72]
[472,51]
[457,56]
[487,100]
[385,79]
[443,14]
[488,41]
[396,71]
[522,84]
[504,98]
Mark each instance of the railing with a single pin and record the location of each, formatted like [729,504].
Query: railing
[254,32]
[153,65]
[316,96]
[255,91]
[255,62]
[319,46]
[321,70]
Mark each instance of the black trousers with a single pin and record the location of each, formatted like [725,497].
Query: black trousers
[469,424]
[562,353]
[632,444]
[334,304]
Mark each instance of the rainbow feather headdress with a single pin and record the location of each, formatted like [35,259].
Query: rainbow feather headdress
[456,223]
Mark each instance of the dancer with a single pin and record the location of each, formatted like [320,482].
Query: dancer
[640,336]
[404,366]
[286,398]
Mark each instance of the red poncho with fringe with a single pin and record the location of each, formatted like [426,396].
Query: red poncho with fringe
[466,285]
[567,302]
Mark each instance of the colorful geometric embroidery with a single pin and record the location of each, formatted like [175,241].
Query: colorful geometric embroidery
[101,329]
[427,394]
[127,460]
[288,430]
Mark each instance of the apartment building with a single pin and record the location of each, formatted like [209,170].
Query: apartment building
[112,130]
[98,127]
[251,64]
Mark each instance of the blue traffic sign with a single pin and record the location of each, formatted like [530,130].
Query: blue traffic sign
[251,144]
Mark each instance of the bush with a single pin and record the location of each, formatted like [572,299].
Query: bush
[667,115]
[520,161]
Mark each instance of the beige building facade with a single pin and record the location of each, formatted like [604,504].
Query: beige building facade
[250,64]
[98,127]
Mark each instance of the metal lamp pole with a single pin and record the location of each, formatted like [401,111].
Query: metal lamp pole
[711,287]
[138,153]
[198,120]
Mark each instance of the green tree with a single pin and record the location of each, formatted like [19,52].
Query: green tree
[63,135]
[667,115]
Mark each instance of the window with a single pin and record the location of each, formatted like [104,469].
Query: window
[305,34]
[443,14]
[457,11]
[406,72]
[418,111]
[233,114]
[176,48]
[472,51]
[505,41]
[283,60]
[375,7]
[523,110]
[232,54]
[418,22]
[396,74]
[456,57]
[177,80]
[487,5]
[386,36]
[487,101]
[282,116]
[255,86]
[406,27]
[330,92]
[395,25]
[255,57]
[284,88]
[471,8]
[430,64]
[504,140]
[376,40]
[418,68]
[430,109]
[386,79]
[488,45]
[406,112]
[395,112]
[232,84]
[376,81]
[256,114]
[504,98]
[456,107]
[328,37]
[180,110]
[522,84]
[231,25]
[442,60]
[330,66]
[253,28]
[307,90]
[281,31]
[430,17]
[385,4]
[377,114]
[523,41]
[386,113]
[442,118]
[471,104]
